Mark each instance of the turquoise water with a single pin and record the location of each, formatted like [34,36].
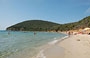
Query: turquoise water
[24,44]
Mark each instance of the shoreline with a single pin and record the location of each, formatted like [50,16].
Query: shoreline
[50,47]
[75,46]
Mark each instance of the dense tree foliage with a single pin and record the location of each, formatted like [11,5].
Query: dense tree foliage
[33,25]
[75,25]
[39,25]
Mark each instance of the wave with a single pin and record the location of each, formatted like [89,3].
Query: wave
[41,54]
[55,41]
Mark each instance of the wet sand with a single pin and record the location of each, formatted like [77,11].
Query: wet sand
[54,52]
[75,46]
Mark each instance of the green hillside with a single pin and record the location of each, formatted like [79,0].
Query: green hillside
[39,25]
[85,22]
[32,25]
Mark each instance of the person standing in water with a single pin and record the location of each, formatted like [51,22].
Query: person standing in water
[34,33]
[8,32]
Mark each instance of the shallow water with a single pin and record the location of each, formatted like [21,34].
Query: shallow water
[24,44]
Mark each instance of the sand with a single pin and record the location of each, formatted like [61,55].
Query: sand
[54,52]
[76,46]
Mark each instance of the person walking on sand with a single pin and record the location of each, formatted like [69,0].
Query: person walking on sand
[69,33]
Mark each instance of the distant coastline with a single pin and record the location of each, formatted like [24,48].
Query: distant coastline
[40,25]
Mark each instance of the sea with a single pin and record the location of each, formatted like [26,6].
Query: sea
[25,44]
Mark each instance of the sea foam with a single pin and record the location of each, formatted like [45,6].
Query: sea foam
[41,54]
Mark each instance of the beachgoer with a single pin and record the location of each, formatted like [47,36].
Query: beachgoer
[69,33]
[34,33]
[9,33]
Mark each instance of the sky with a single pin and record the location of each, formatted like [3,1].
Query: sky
[59,11]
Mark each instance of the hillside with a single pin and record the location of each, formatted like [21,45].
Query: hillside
[85,22]
[32,25]
[39,25]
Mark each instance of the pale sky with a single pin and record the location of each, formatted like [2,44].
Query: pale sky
[59,11]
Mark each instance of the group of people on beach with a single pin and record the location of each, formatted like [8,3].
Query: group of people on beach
[69,33]
[75,33]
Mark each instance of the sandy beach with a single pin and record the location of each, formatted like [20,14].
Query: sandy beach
[76,46]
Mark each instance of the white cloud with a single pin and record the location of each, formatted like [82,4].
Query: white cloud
[87,11]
